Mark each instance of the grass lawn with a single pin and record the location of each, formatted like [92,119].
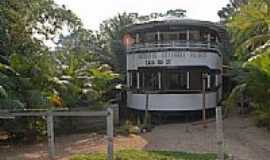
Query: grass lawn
[147,155]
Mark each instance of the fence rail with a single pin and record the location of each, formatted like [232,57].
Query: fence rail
[173,44]
[4,114]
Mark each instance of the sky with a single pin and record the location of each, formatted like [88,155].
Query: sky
[93,12]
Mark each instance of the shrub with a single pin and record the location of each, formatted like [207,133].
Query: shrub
[128,128]
[262,115]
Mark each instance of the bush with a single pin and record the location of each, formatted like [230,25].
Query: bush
[28,129]
[262,115]
[128,128]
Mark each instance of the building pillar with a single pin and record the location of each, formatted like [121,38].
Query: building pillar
[208,81]
[158,36]
[137,40]
[143,85]
[188,38]
[209,40]
[217,80]
[158,39]
[159,80]
[138,80]
[128,79]
[188,85]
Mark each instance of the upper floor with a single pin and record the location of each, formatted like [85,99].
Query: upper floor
[175,33]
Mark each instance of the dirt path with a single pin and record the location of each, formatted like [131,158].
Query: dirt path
[66,146]
[242,139]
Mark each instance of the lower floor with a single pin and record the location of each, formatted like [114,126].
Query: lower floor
[174,79]
[173,102]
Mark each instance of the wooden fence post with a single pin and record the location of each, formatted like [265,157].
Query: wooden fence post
[50,134]
[110,134]
[220,134]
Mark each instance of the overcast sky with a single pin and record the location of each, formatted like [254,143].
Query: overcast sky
[93,12]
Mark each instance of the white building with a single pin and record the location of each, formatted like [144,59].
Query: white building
[167,58]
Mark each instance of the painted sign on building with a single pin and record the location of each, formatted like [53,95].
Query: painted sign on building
[170,58]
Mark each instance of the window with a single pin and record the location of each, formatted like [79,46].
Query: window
[194,35]
[156,37]
[150,37]
[175,80]
[161,36]
[212,80]
[204,36]
[133,79]
[171,80]
[172,36]
[183,36]
[150,80]
[141,79]
[142,38]
[213,38]
[195,79]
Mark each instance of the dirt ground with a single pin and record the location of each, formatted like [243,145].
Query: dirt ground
[242,139]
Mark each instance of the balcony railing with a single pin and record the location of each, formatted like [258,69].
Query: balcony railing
[173,44]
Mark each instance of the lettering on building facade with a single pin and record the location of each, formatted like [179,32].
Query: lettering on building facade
[167,57]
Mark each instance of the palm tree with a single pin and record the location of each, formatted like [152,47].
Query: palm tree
[250,28]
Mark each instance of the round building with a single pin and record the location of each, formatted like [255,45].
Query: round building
[173,63]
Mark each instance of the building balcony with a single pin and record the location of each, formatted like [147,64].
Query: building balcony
[163,46]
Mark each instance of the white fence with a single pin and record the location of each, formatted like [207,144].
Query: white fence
[174,44]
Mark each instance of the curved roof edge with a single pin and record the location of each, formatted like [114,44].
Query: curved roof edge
[173,20]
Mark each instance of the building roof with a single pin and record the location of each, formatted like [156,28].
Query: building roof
[173,20]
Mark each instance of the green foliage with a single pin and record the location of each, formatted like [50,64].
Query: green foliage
[259,87]
[25,23]
[26,64]
[3,93]
[111,33]
[226,12]
[27,129]
[128,128]
[249,27]
[149,155]
[262,114]
[81,77]
[255,85]
[176,12]
[32,76]
[259,77]
[235,96]
[102,78]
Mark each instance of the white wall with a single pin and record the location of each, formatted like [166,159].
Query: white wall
[171,102]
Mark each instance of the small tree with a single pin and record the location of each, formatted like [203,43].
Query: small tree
[102,83]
